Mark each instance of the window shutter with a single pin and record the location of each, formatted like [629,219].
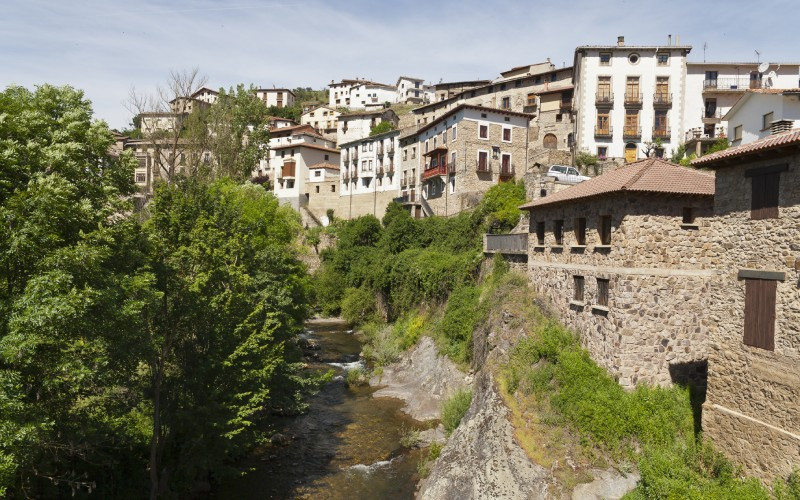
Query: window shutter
[757,202]
[759,313]
[771,189]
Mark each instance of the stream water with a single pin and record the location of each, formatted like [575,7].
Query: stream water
[347,446]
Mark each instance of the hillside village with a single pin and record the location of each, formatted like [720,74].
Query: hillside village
[677,260]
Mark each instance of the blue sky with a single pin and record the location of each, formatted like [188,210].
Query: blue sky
[105,47]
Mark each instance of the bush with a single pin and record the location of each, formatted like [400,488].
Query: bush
[462,314]
[381,347]
[381,128]
[358,306]
[454,408]
[357,376]
[500,206]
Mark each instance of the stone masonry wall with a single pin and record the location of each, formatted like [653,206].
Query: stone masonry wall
[654,328]
[471,184]
[752,408]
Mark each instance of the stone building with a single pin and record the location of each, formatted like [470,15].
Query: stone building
[627,259]
[446,90]
[321,192]
[409,171]
[752,407]
[323,119]
[291,166]
[465,152]
[280,98]
[369,178]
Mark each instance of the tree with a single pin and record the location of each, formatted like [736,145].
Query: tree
[161,118]
[381,128]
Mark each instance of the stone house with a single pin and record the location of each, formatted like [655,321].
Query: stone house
[280,98]
[465,152]
[627,259]
[752,407]
[322,192]
[369,177]
[410,167]
[291,166]
[322,118]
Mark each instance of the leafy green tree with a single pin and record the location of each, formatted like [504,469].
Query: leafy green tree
[381,128]
[720,144]
[500,205]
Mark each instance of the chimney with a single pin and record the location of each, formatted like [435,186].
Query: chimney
[669,40]
[620,41]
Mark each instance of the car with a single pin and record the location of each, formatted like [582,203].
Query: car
[566,174]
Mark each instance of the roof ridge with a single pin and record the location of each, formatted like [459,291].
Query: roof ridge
[638,175]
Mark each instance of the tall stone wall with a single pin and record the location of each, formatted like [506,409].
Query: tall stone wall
[659,270]
[752,408]
[351,207]
[328,197]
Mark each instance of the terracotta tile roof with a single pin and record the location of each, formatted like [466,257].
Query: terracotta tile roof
[788,138]
[425,126]
[652,175]
[309,145]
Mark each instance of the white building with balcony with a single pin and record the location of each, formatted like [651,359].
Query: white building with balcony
[289,136]
[291,167]
[413,91]
[626,96]
[279,98]
[369,178]
[322,118]
[358,124]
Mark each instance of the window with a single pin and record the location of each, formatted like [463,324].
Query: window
[531,99]
[317,173]
[759,313]
[506,134]
[687,215]
[370,165]
[444,137]
[518,83]
[453,159]
[540,233]
[455,132]
[506,103]
[605,58]
[580,231]
[141,177]
[289,183]
[483,115]
[603,120]
[413,152]
[333,188]
[317,188]
[426,145]
[405,154]
[577,285]
[633,58]
[558,231]
[604,230]
[370,146]
[662,59]
[502,86]
[602,152]
[364,148]
[766,121]
[737,133]
[483,161]
[326,157]
[765,192]
[602,292]
[434,141]
[483,131]
[452,184]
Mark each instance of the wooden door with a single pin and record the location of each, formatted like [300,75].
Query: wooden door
[630,153]
[631,122]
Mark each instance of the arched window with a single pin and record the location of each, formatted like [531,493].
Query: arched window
[550,141]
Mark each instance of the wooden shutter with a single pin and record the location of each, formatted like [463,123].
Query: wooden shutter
[765,192]
[759,313]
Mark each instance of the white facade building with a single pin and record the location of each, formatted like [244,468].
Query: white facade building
[370,95]
[357,125]
[413,91]
[713,88]
[205,94]
[292,164]
[760,113]
[322,118]
[288,136]
[279,98]
[369,177]
[626,96]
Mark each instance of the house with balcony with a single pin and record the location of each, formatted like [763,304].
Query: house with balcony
[279,98]
[372,95]
[410,167]
[752,406]
[761,113]
[465,152]
[712,89]
[627,260]
[284,136]
[369,177]
[291,169]
[323,118]
[626,96]
[413,91]
[358,124]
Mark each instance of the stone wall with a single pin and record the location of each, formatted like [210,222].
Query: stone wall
[328,197]
[752,409]
[357,205]
[659,270]
[470,185]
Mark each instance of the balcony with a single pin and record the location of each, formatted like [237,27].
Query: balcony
[603,132]
[367,173]
[379,171]
[515,243]
[662,100]
[346,176]
[632,132]
[661,133]
[566,104]
[604,98]
[711,116]
[288,170]
[434,171]
[506,171]
[633,100]
[731,84]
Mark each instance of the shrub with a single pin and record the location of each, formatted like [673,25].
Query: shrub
[409,437]
[462,314]
[328,290]
[381,348]
[500,205]
[454,408]
[357,376]
[358,306]
[380,128]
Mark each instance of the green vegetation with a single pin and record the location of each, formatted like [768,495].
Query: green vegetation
[721,144]
[409,437]
[461,315]
[424,465]
[357,376]
[585,160]
[381,128]
[564,403]
[454,409]
[139,352]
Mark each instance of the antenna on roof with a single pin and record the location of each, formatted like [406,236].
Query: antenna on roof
[758,56]
[705,46]
[763,67]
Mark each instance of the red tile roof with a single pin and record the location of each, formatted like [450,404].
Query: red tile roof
[309,145]
[652,175]
[327,165]
[788,138]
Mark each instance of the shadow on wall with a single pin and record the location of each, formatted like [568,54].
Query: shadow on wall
[694,375]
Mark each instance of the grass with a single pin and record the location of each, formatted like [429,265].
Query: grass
[409,438]
[424,465]
[454,408]
[357,376]
[564,404]
[384,343]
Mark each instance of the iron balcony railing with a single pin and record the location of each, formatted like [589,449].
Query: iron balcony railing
[662,99]
[633,99]
[661,132]
[507,171]
[604,98]
[632,132]
[515,243]
[732,83]
[603,131]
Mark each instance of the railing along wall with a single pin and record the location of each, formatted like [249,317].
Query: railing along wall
[515,243]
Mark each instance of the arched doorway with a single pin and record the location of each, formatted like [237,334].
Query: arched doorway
[630,152]
[550,141]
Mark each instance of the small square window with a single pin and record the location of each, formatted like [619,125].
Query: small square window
[577,285]
[506,134]
[663,59]
[737,133]
[766,121]
[602,292]
[602,152]
[317,187]
[605,58]
[688,215]
[333,188]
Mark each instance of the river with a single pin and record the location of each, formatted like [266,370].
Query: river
[347,446]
